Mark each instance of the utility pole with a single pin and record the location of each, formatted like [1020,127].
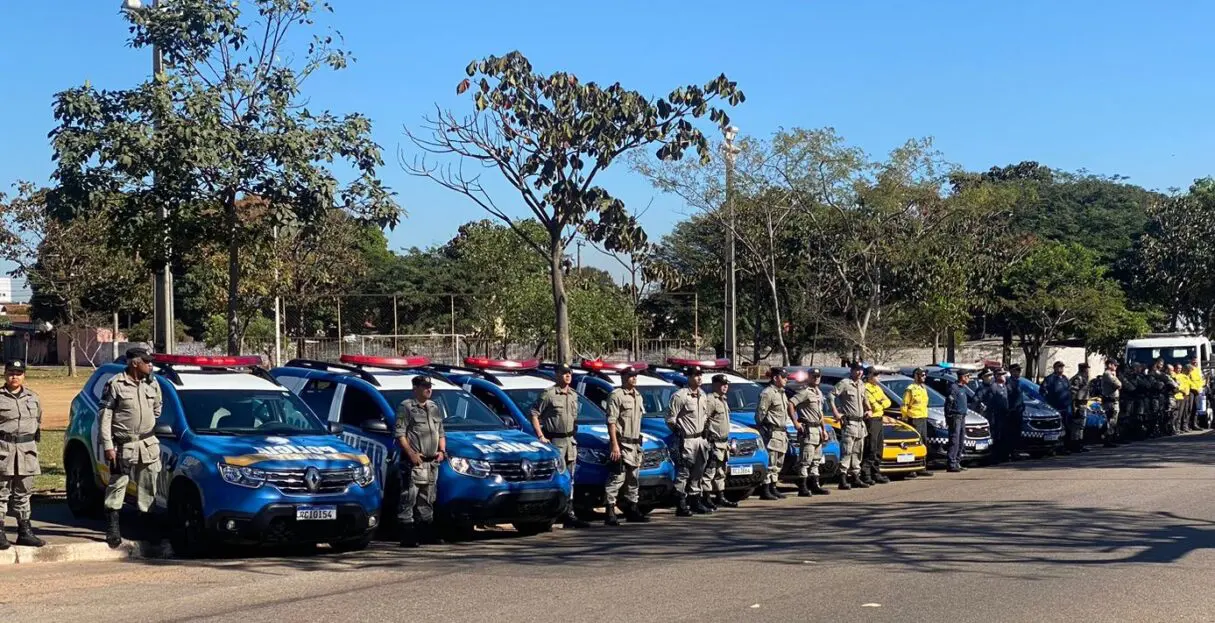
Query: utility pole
[579,245]
[278,317]
[731,311]
[396,345]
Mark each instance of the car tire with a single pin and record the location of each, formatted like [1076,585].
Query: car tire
[532,528]
[187,524]
[352,545]
[84,499]
[738,495]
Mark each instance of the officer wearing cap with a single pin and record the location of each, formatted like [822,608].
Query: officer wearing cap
[687,417]
[130,406]
[423,441]
[915,410]
[849,406]
[554,417]
[625,409]
[806,408]
[771,415]
[957,407]
[993,395]
[875,441]
[1016,410]
[1057,390]
[1111,394]
[1079,384]
[718,432]
[20,432]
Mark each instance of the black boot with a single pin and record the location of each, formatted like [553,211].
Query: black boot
[882,479]
[927,473]
[816,488]
[681,506]
[721,501]
[698,506]
[572,522]
[707,500]
[409,536]
[633,514]
[844,486]
[4,544]
[611,520]
[25,535]
[859,484]
[113,536]
[777,493]
[765,492]
[802,490]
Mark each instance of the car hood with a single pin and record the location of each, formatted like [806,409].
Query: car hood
[1036,411]
[498,445]
[599,432]
[658,427]
[275,452]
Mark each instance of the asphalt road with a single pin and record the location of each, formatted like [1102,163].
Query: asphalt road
[1112,535]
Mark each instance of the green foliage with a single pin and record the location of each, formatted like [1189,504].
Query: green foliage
[257,330]
[142,331]
[1173,266]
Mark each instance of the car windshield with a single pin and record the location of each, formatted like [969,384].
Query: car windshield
[588,412]
[1171,355]
[656,399]
[460,410]
[743,396]
[1032,392]
[899,387]
[249,412]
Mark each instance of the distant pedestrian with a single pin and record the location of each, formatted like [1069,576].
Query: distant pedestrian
[130,406]
[994,397]
[849,406]
[423,441]
[1016,411]
[957,406]
[20,432]
[915,409]
[1182,383]
[1111,388]
[1198,384]
[771,418]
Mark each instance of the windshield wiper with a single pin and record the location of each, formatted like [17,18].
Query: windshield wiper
[216,431]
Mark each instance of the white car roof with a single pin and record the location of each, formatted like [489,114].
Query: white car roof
[1166,342]
[523,381]
[402,379]
[197,379]
[642,381]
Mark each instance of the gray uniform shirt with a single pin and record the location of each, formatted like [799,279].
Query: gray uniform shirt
[422,425]
[20,417]
[688,413]
[129,410]
[1110,385]
[849,396]
[772,413]
[809,406]
[719,419]
[625,409]
[557,410]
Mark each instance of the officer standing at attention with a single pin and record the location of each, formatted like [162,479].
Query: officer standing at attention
[849,406]
[423,441]
[1079,388]
[1016,411]
[130,406]
[1198,385]
[625,409]
[1057,390]
[718,432]
[20,432]
[871,464]
[554,417]
[915,409]
[806,408]
[1182,381]
[771,415]
[957,406]
[1111,388]
[687,417]
[995,400]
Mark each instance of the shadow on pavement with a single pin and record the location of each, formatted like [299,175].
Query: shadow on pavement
[1159,453]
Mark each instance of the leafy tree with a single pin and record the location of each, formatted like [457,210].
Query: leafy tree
[1173,265]
[226,121]
[550,136]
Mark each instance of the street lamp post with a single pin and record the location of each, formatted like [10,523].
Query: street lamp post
[163,338]
[731,315]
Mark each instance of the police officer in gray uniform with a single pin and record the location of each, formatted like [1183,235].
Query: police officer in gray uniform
[20,432]
[625,410]
[423,442]
[850,407]
[554,418]
[806,407]
[771,415]
[718,432]
[688,417]
[130,406]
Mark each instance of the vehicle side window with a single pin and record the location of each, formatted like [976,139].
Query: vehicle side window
[99,386]
[358,406]
[597,395]
[318,395]
[495,404]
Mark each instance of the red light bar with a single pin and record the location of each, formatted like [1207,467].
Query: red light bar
[485,363]
[704,364]
[207,362]
[401,363]
[601,365]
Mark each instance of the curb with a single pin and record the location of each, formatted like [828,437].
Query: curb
[83,552]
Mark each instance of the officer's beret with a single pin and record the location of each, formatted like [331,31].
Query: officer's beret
[138,353]
[14,366]
[692,371]
[627,372]
[986,373]
[720,379]
[561,368]
[421,381]
[814,372]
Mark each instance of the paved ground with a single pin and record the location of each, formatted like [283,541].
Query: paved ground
[1113,535]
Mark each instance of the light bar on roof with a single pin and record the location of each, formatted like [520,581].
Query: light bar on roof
[206,361]
[506,365]
[600,365]
[704,364]
[392,363]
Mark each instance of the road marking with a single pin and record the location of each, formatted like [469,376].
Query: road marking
[871,605]
[754,606]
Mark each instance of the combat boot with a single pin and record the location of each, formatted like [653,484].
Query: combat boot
[409,536]
[572,522]
[4,544]
[611,519]
[113,536]
[698,506]
[816,488]
[681,506]
[777,493]
[802,490]
[882,479]
[25,534]
[633,514]
[707,500]
[767,491]
[844,486]
[720,500]
[859,484]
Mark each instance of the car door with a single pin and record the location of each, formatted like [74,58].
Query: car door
[365,425]
[496,404]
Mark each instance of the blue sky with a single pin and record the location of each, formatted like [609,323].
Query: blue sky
[1112,87]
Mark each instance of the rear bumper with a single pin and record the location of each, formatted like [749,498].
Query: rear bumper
[276,525]
[528,505]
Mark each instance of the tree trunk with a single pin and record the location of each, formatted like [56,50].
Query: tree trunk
[72,351]
[951,348]
[780,329]
[233,273]
[936,346]
[1006,348]
[556,254]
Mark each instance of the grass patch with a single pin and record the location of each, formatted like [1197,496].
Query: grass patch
[50,454]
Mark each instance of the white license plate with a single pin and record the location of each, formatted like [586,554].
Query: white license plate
[906,458]
[742,470]
[315,513]
[981,445]
[1051,436]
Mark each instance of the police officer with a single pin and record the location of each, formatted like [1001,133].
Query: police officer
[1057,390]
[1162,390]
[850,408]
[718,434]
[915,409]
[20,432]
[806,408]
[423,441]
[771,415]
[1079,388]
[1198,385]
[554,417]
[994,396]
[625,409]
[1016,411]
[875,441]
[688,417]
[1182,383]
[130,406]
[957,406]
[1111,388]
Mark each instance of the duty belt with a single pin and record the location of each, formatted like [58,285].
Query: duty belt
[10,438]
[631,440]
[854,419]
[122,440]
[561,435]
[692,435]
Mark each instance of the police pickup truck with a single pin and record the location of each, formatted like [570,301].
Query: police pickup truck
[243,460]
[976,430]
[493,475]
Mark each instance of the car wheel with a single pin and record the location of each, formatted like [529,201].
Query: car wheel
[351,545]
[532,528]
[188,526]
[738,495]
[84,499]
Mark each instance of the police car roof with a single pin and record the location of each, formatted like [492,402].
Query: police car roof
[643,380]
[1166,342]
[523,381]
[402,379]
[198,379]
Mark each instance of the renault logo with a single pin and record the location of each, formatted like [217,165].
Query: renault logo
[526,467]
[903,445]
[312,479]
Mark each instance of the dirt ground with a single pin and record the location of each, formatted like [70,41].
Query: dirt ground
[57,391]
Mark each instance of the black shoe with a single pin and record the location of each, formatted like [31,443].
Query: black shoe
[776,492]
[911,475]
[767,492]
[572,522]
[408,536]
[720,500]
[611,520]
[113,536]
[633,514]
[707,500]
[860,484]
[963,467]
[880,479]
[844,486]
[802,490]
[681,507]
[25,535]
[816,488]
[699,507]
[954,470]
[926,473]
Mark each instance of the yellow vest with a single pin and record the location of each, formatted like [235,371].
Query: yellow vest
[915,402]
[878,401]
[1184,382]
[1196,380]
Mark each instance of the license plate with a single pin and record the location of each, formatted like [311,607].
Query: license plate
[906,458]
[315,513]
[981,445]
[1052,436]
[741,470]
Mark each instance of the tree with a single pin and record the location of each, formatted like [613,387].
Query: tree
[225,121]
[550,136]
[1173,265]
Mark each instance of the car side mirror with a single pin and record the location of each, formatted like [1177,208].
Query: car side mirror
[375,426]
[336,428]
[164,430]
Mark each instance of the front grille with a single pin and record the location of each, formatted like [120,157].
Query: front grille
[653,458]
[292,482]
[902,444]
[895,465]
[512,471]
[1053,423]
[978,432]
[746,447]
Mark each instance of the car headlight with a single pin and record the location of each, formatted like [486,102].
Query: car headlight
[559,463]
[364,475]
[591,455]
[469,467]
[242,476]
